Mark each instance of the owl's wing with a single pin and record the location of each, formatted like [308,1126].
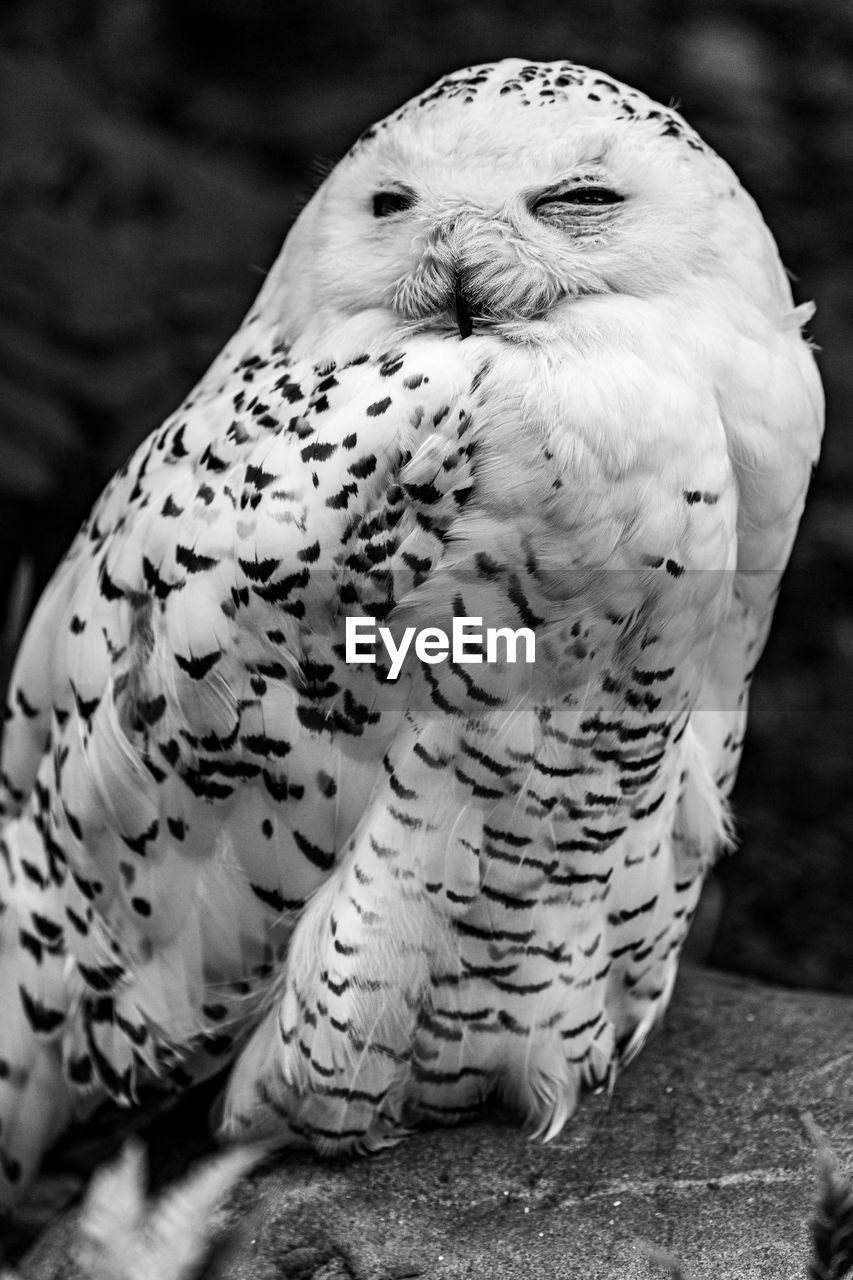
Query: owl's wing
[40,679]
[181,764]
[771,405]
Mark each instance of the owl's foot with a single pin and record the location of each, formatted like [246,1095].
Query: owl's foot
[330,1063]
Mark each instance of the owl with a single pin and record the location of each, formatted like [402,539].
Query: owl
[527,368]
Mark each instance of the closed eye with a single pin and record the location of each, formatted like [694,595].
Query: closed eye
[387,202]
[581,196]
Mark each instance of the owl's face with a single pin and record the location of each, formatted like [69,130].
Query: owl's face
[505,194]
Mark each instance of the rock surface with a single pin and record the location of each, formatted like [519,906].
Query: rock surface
[700,1151]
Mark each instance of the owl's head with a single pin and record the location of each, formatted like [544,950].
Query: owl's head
[506,193]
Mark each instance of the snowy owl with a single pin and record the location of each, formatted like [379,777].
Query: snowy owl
[527,375]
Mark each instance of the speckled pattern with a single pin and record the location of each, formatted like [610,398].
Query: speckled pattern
[389,899]
[542,85]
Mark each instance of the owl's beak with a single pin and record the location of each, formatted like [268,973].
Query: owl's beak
[462,309]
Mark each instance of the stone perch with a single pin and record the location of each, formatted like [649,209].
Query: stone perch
[701,1151]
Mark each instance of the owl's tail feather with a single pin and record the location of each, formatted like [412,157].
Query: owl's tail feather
[34,1109]
[35,1105]
[35,1100]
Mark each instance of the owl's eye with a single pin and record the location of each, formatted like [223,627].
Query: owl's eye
[585,196]
[388,202]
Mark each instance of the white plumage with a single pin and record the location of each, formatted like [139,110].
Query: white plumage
[528,355]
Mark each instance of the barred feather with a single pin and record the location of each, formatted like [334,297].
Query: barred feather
[539,367]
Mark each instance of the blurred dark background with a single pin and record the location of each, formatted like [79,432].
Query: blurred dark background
[152,155]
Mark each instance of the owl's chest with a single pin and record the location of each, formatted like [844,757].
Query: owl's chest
[609,478]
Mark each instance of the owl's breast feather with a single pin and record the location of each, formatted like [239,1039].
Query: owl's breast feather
[606,452]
